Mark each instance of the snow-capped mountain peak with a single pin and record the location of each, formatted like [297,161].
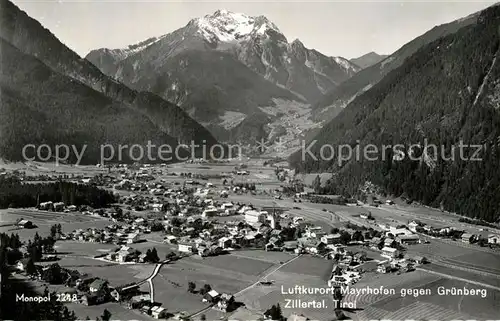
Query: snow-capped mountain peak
[227,26]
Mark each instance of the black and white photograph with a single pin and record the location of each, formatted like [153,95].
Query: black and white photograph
[249,160]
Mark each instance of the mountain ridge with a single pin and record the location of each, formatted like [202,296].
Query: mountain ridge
[223,64]
[30,37]
[446,93]
[332,103]
[368,59]
[40,106]
[257,43]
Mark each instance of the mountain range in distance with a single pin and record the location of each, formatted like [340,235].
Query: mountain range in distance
[231,71]
[368,59]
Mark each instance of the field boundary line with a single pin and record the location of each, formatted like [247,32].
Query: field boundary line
[250,286]
[267,275]
[460,279]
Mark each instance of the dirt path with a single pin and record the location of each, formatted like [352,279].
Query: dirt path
[150,279]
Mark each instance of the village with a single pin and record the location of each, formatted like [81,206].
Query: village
[164,216]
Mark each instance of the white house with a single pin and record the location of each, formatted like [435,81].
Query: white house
[132,238]
[338,248]
[493,239]
[398,231]
[390,252]
[228,208]
[244,209]
[157,207]
[158,312]
[210,211]
[46,205]
[315,231]
[225,242]
[211,296]
[23,263]
[412,226]
[253,216]
[170,239]
[186,248]
[124,254]
[408,239]
[330,239]
[25,224]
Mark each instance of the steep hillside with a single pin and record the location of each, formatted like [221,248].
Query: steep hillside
[106,59]
[39,106]
[207,84]
[446,93]
[31,38]
[368,59]
[328,106]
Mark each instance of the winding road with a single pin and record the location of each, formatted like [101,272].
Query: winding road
[151,277]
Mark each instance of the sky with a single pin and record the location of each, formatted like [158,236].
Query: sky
[335,28]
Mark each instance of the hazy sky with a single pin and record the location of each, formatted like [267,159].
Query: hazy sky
[335,28]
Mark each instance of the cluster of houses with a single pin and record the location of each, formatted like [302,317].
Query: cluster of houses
[217,238]
[488,237]
[223,302]
[126,254]
[89,290]
[484,235]
[56,207]
[111,234]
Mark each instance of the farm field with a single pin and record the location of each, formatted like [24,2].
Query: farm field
[272,256]
[454,253]
[439,249]
[487,261]
[44,220]
[161,248]
[118,312]
[225,274]
[431,216]
[310,266]
[467,275]
[444,307]
[83,249]
[371,254]
[231,263]
[116,274]
[421,306]
[303,270]
[51,168]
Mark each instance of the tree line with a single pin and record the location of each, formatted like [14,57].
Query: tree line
[15,193]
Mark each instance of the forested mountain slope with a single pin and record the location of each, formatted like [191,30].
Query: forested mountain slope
[328,106]
[40,106]
[31,38]
[448,92]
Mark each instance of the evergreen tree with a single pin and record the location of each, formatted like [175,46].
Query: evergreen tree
[106,315]
[316,185]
